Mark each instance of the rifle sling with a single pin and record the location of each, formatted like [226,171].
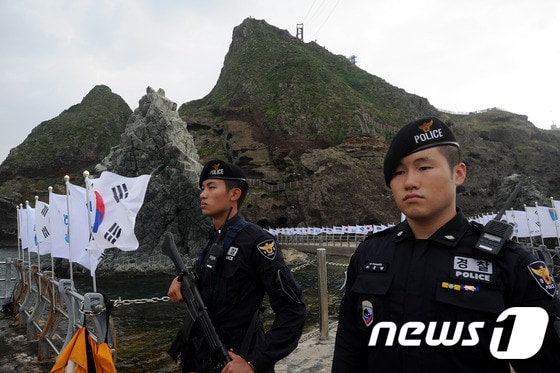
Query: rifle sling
[244,350]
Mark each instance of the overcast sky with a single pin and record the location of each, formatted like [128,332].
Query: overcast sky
[462,55]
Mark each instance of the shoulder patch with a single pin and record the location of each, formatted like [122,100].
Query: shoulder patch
[540,273]
[268,249]
[367,313]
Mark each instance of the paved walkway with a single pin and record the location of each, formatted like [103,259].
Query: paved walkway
[311,355]
[19,355]
[16,353]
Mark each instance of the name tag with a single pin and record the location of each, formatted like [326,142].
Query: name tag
[376,267]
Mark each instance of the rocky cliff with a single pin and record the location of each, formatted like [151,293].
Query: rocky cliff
[309,128]
[68,144]
[156,141]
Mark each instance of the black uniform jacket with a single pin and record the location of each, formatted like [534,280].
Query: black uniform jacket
[438,283]
[252,265]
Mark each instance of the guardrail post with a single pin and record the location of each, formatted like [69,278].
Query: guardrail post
[46,344]
[72,309]
[37,309]
[26,305]
[8,281]
[94,304]
[323,294]
[21,286]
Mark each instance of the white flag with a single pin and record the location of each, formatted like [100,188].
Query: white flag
[90,258]
[58,218]
[31,240]
[43,227]
[547,219]
[79,230]
[117,202]
[361,229]
[20,222]
[519,221]
[78,224]
[23,228]
[338,230]
[556,205]
[533,221]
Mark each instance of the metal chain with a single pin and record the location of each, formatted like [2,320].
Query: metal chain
[338,264]
[125,302]
[302,266]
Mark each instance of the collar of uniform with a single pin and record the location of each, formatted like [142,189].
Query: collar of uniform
[449,234]
[213,232]
[231,221]
[403,232]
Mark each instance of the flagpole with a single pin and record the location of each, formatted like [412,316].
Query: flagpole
[539,220]
[38,247]
[66,180]
[89,208]
[28,251]
[37,240]
[18,211]
[50,189]
[528,225]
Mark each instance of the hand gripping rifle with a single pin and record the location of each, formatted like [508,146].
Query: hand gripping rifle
[196,310]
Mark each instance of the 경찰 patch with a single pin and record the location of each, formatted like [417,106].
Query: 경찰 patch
[478,270]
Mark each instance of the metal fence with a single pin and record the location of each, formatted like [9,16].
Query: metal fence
[51,310]
[323,239]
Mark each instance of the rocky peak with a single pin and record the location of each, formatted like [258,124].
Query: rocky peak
[156,141]
[77,136]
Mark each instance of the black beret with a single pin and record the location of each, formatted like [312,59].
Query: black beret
[415,136]
[218,169]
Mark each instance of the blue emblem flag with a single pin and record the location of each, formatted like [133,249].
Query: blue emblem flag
[367,312]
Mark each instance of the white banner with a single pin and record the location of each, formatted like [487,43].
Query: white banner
[533,221]
[547,219]
[519,221]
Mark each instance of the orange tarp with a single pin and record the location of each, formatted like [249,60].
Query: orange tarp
[73,359]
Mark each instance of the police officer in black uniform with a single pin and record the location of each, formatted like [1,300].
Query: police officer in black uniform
[420,297]
[234,278]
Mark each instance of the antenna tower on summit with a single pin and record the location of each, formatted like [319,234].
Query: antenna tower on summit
[299,31]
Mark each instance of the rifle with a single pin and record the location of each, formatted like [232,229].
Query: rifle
[196,310]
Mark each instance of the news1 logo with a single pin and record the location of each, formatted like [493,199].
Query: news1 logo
[518,333]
